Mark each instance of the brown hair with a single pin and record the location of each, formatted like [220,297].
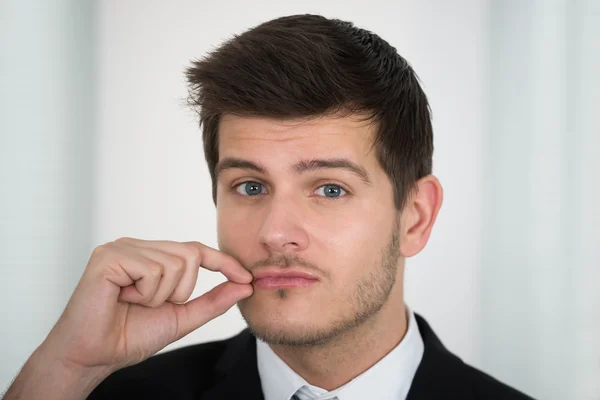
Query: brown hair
[309,65]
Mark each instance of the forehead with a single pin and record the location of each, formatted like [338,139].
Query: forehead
[348,136]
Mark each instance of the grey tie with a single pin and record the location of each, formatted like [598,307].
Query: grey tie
[294,397]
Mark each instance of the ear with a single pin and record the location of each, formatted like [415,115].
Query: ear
[419,214]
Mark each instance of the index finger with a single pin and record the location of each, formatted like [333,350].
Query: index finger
[215,260]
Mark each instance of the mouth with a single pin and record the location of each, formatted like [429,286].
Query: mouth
[276,278]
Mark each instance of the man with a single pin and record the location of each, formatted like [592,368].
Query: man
[319,143]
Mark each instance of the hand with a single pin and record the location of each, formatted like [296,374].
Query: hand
[130,300]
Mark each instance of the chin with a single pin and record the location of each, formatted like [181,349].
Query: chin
[281,322]
[294,335]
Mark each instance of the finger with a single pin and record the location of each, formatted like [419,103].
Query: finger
[173,269]
[187,281]
[179,279]
[198,254]
[215,260]
[138,277]
[210,305]
[185,286]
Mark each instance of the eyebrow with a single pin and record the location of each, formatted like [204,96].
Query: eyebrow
[299,167]
[333,163]
[233,163]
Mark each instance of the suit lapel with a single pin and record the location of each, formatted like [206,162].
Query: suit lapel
[441,374]
[237,371]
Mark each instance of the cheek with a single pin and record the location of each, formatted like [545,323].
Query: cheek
[355,230]
[355,241]
[351,246]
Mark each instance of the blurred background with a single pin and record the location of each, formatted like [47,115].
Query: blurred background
[96,143]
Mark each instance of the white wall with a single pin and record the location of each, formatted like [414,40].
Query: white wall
[46,135]
[539,296]
[151,179]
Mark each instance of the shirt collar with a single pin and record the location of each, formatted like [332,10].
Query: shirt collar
[390,377]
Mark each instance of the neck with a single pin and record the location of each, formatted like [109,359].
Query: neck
[348,355]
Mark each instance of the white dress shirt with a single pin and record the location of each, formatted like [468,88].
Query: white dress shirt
[389,379]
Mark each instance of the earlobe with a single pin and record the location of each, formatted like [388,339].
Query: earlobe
[419,215]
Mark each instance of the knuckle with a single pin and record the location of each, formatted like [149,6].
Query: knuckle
[154,269]
[179,265]
[193,253]
[102,255]
[99,251]
[124,239]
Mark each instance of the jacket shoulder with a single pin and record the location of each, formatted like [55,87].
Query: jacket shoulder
[442,374]
[488,387]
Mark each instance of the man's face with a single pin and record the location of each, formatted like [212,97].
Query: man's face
[307,198]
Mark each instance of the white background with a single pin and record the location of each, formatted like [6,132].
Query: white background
[97,143]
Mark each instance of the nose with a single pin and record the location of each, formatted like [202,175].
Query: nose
[282,230]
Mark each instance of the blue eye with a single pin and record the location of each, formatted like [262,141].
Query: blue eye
[331,191]
[250,188]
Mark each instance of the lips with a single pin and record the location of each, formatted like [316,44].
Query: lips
[277,278]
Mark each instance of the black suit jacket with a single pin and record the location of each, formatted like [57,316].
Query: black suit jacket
[227,369]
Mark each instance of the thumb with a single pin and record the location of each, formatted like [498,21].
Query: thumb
[210,305]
